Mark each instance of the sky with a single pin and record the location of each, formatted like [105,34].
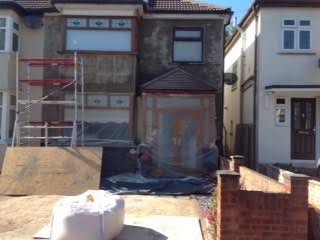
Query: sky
[239,7]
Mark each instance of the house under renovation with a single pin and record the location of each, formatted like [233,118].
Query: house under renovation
[114,73]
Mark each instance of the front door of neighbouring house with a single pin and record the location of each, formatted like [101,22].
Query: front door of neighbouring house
[303,124]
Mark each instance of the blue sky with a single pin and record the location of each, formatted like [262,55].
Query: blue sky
[239,7]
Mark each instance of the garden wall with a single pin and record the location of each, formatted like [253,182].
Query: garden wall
[313,199]
[251,206]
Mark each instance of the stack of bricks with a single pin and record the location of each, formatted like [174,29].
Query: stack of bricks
[257,215]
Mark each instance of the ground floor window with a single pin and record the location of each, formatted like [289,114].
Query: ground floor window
[107,119]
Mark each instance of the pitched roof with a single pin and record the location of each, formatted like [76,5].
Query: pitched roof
[156,6]
[177,79]
[25,6]
[34,4]
[184,6]
[100,1]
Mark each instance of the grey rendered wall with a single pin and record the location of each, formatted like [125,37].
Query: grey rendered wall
[156,53]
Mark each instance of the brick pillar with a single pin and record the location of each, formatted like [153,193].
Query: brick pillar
[297,186]
[236,162]
[227,209]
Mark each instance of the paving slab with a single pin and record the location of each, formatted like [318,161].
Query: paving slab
[22,217]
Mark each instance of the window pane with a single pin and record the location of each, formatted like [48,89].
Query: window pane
[288,39]
[281,101]
[99,23]
[289,22]
[187,51]
[97,100]
[2,39]
[12,100]
[304,39]
[2,22]
[119,101]
[77,22]
[15,42]
[188,34]
[97,40]
[16,26]
[121,23]
[305,23]
[12,116]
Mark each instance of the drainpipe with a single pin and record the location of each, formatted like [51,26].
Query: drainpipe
[255,84]
[242,64]
[220,144]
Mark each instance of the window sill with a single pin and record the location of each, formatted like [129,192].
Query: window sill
[99,52]
[298,52]
[188,63]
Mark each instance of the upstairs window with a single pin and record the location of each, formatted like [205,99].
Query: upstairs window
[188,45]
[296,34]
[3,33]
[100,34]
[9,35]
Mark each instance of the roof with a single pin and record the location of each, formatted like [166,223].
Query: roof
[25,6]
[271,3]
[177,79]
[157,6]
[185,6]
[99,1]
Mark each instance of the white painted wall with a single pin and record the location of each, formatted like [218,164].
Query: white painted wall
[276,68]
[31,44]
[243,51]
[232,99]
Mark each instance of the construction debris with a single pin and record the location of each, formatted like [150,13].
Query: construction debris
[99,213]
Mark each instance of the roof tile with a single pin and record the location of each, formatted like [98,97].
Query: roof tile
[177,79]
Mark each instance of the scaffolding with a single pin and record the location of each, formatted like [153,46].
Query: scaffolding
[23,127]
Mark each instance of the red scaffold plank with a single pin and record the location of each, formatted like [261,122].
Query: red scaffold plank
[48,82]
[48,62]
[52,123]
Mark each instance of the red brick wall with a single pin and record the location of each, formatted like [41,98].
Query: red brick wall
[254,181]
[313,199]
[277,212]
[314,210]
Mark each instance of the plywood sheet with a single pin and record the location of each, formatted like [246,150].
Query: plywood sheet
[50,171]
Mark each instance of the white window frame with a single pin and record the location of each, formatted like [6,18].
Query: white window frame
[297,29]
[280,107]
[9,30]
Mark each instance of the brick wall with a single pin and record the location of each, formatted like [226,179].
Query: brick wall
[247,209]
[313,199]
[314,210]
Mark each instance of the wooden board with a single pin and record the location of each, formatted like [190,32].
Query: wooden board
[50,171]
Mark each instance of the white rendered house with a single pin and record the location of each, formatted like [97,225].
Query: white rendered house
[275,54]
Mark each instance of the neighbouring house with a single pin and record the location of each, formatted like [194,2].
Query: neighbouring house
[272,111]
[153,72]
